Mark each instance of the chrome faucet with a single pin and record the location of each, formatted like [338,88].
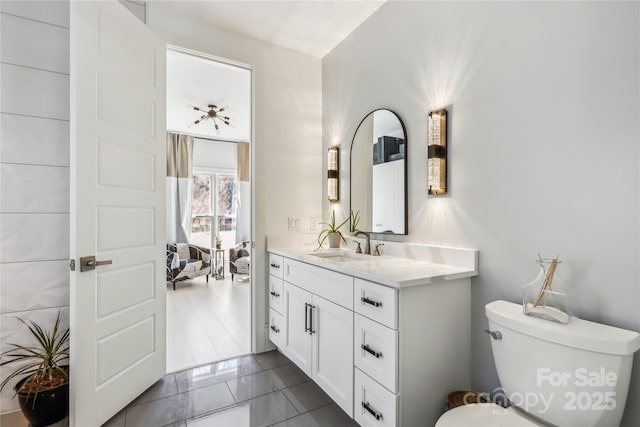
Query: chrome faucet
[367,245]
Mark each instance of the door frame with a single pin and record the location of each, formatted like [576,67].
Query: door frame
[254,323]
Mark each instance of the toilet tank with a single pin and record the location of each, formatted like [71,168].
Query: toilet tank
[567,375]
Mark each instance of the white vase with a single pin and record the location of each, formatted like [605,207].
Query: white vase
[334,240]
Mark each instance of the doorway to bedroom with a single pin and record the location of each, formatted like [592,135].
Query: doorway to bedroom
[209,232]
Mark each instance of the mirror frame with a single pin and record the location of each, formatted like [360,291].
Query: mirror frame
[406,192]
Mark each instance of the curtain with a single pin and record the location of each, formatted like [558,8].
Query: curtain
[243,214]
[179,187]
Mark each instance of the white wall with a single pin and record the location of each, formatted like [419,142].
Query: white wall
[544,114]
[288,127]
[34,170]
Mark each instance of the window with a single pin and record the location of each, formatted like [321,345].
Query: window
[213,203]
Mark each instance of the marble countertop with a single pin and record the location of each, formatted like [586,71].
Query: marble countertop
[387,270]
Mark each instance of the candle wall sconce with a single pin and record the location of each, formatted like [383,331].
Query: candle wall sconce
[437,152]
[333,174]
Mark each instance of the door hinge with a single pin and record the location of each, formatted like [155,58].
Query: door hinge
[72,265]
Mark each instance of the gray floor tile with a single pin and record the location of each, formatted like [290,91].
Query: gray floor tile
[179,407]
[330,415]
[160,412]
[178,424]
[116,421]
[271,359]
[216,372]
[210,398]
[164,387]
[261,411]
[254,385]
[307,396]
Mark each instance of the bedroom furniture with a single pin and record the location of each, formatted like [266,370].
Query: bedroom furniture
[239,260]
[186,261]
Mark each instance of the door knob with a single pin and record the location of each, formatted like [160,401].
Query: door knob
[88,263]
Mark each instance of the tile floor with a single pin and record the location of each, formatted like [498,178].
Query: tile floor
[255,390]
[206,323]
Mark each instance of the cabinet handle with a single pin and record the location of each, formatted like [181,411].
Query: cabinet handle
[275,294]
[369,350]
[311,308]
[274,265]
[371,302]
[306,317]
[377,415]
[274,329]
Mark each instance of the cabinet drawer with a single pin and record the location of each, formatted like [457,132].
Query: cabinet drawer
[276,328]
[276,263]
[373,405]
[328,284]
[276,294]
[377,302]
[375,351]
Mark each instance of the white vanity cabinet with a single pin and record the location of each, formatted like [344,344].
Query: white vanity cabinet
[277,324]
[319,337]
[387,355]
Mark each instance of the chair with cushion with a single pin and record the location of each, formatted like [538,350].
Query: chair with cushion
[185,261]
[239,260]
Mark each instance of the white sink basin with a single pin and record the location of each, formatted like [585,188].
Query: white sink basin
[340,256]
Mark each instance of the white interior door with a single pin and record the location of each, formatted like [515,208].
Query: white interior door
[118,209]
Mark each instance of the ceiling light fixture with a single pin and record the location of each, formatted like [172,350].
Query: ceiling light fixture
[214,114]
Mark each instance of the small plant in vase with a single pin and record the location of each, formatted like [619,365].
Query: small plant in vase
[218,242]
[332,232]
[44,393]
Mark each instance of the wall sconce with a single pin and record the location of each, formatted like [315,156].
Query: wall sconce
[333,174]
[437,152]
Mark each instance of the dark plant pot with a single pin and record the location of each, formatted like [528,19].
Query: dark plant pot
[218,245]
[46,407]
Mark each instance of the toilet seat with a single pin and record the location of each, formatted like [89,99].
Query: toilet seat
[484,415]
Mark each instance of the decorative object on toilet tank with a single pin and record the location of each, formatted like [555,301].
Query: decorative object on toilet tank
[437,152]
[332,232]
[546,296]
[333,174]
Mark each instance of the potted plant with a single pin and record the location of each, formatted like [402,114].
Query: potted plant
[332,232]
[218,242]
[44,393]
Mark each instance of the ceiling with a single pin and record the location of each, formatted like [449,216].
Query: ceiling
[193,81]
[313,27]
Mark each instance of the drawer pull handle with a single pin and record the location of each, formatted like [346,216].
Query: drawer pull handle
[275,294]
[306,317]
[371,302]
[274,265]
[311,331]
[369,350]
[377,415]
[274,329]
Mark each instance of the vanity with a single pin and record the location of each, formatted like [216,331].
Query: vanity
[386,337]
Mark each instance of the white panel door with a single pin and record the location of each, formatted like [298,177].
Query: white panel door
[333,351]
[117,209]
[297,306]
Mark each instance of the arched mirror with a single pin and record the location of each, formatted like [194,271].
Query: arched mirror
[379,173]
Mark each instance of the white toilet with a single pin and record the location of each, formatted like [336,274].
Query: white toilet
[565,375]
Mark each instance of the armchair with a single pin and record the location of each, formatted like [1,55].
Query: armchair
[239,260]
[185,261]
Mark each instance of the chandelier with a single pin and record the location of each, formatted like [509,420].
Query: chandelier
[214,114]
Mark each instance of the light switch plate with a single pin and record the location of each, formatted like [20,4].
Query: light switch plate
[314,223]
[293,224]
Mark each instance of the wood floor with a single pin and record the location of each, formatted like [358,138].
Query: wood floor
[206,323]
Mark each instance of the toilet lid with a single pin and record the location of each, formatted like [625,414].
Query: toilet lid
[483,414]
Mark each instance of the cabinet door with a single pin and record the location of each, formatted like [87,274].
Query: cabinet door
[298,339]
[333,351]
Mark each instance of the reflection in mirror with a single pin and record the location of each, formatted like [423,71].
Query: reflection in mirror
[378,173]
